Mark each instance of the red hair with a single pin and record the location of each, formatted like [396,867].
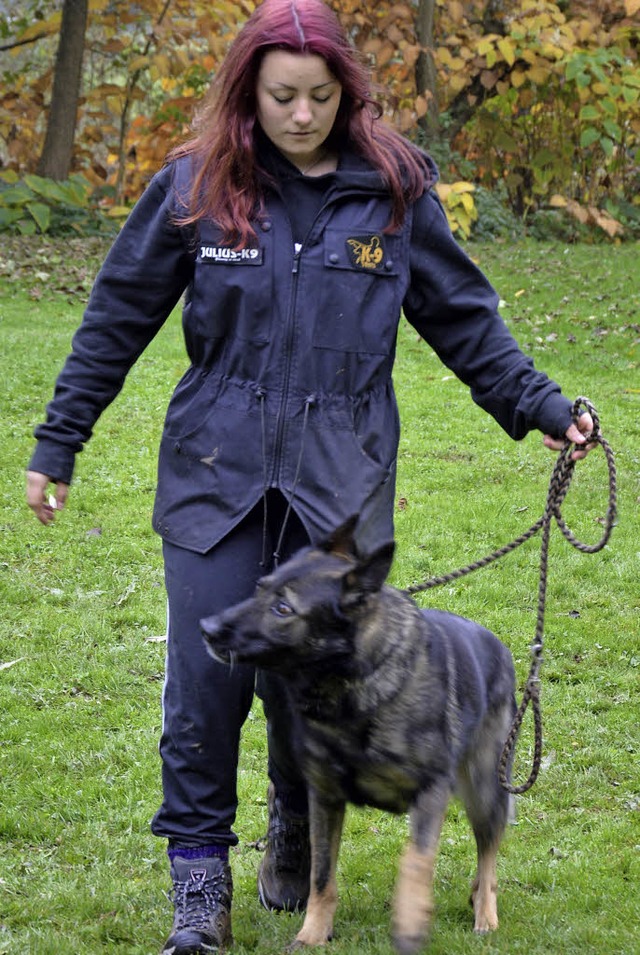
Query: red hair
[226,185]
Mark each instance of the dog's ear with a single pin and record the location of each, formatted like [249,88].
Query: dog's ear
[341,542]
[370,573]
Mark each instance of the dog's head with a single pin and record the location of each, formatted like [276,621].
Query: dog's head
[303,613]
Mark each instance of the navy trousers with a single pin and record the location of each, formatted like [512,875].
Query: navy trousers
[206,703]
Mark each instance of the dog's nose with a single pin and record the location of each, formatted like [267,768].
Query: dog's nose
[210,626]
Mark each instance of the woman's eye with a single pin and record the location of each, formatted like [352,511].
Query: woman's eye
[282,102]
[282,609]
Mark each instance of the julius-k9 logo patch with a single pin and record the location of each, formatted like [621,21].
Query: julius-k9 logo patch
[223,255]
[366,251]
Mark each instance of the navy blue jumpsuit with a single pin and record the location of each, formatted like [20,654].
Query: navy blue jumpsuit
[288,400]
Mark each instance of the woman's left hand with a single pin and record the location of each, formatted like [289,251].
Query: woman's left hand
[576,434]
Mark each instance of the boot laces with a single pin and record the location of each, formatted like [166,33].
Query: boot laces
[198,899]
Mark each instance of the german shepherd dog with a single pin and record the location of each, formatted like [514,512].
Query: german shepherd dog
[396,707]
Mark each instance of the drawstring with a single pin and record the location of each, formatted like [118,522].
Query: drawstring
[309,401]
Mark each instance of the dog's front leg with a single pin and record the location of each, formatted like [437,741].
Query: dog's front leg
[413,902]
[325,832]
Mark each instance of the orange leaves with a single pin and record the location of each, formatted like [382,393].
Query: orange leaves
[589,215]
[542,96]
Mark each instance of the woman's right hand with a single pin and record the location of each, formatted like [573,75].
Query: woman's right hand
[38,498]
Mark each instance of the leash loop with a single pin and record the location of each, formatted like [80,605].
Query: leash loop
[558,486]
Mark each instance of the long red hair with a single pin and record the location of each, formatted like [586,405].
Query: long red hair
[226,185]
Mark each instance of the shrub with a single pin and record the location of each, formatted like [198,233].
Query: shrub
[34,204]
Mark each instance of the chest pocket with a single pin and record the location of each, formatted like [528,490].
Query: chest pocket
[232,291]
[360,292]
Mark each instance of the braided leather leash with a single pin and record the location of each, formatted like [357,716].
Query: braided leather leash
[558,487]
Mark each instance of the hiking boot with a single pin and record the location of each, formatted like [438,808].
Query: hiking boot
[283,876]
[202,892]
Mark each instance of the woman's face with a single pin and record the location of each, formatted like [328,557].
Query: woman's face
[297,102]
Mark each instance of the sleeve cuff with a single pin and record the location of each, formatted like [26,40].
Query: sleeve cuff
[53,459]
[554,416]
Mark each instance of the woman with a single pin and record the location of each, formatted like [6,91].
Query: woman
[298,226]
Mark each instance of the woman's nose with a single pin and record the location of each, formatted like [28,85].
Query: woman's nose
[302,112]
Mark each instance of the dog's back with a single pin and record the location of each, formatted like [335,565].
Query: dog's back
[420,686]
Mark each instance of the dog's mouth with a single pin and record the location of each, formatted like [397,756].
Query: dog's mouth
[213,635]
[228,657]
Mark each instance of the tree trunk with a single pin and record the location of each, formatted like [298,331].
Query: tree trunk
[426,76]
[57,152]
[464,105]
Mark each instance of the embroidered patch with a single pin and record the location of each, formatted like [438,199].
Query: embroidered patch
[223,255]
[366,251]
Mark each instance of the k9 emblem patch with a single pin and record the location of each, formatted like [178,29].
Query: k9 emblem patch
[366,251]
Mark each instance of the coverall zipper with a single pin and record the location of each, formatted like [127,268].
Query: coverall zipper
[288,352]
[289,338]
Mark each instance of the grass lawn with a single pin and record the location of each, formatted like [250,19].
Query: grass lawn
[81,651]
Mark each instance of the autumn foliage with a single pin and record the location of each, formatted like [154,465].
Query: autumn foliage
[538,99]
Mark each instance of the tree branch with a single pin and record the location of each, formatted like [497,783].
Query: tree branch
[17,43]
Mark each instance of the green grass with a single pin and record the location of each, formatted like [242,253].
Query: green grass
[82,604]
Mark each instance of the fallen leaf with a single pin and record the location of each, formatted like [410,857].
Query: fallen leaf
[10,663]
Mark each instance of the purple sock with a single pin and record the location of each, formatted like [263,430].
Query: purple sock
[198,852]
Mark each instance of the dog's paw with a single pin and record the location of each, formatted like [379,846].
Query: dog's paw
[408,944]
[299,943]
[485,924]
[485,908]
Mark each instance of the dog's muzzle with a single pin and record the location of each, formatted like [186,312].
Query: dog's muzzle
[213,634]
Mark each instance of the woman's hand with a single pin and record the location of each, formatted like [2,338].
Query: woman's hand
[576,434]
[43,505]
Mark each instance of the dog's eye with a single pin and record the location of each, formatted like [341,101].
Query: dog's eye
[282,609]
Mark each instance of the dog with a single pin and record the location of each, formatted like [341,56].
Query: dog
[396,707]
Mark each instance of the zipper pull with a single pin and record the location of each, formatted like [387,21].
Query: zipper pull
[297,249]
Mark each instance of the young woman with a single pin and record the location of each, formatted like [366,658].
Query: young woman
[297,226]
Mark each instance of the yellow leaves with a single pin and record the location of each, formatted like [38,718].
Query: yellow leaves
[486,44]
[444,56]
[118,212]
[456,11]
[458,82]
[138,63]
[508,50]
[459,205]
[584,29]
[538,74]
[631,7]
[40,28]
